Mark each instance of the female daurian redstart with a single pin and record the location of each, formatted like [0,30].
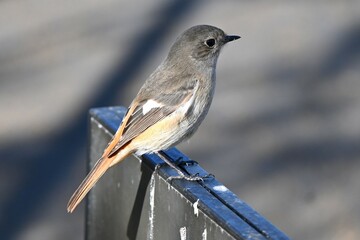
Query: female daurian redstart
[170,105]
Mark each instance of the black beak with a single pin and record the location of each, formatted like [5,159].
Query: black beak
[229,38]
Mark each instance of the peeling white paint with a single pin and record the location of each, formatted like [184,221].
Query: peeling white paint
[152,207]
[204,234]
[196,210]
[100,126]
[183,233]
[221,188]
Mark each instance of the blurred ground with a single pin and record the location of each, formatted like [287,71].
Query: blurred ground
[283,132]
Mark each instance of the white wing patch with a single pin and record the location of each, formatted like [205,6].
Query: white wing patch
[150,104]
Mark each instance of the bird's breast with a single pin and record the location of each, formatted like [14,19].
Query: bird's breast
[203,96]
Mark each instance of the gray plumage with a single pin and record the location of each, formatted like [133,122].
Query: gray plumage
[170,106]
[188,70]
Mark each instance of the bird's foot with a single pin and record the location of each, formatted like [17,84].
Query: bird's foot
[193,178]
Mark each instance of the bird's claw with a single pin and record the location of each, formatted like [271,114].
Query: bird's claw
[193,178]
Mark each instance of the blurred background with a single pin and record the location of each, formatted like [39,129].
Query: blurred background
[283,132]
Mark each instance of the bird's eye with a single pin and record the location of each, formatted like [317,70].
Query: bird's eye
[210,42]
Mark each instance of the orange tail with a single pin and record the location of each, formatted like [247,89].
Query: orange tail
[95,174]
[102,164]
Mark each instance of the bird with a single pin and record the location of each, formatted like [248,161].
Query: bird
[170,105]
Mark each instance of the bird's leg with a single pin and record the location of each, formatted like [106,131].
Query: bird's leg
[195,177]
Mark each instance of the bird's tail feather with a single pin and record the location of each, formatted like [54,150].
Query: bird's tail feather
[90,180]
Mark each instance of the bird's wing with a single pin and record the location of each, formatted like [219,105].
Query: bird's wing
[150,111]
[141,114]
